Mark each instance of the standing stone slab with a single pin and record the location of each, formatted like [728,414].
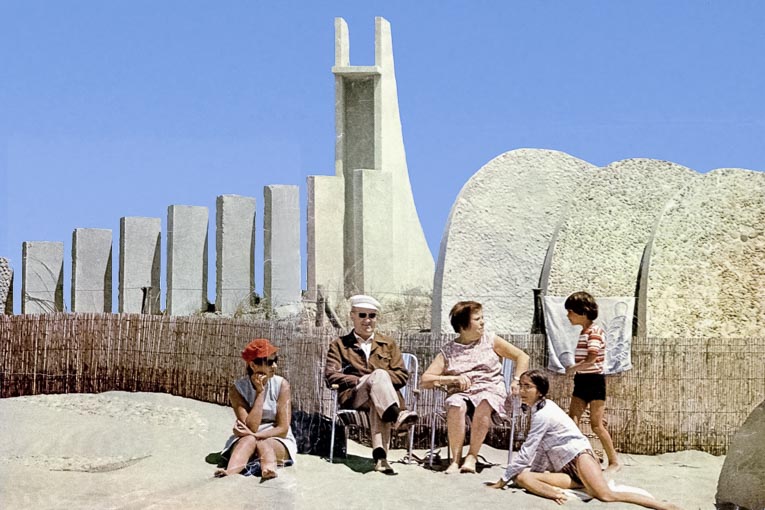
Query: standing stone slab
[92,270]
[235,252]
[186,259]
[498,234]
[42,277]
[6,286]
[611,219]
[707,263]
[325,237]
[140,255]
[281,231]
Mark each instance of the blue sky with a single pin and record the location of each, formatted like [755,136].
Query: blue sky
[121,108]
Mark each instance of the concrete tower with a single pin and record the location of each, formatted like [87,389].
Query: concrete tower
[364,234]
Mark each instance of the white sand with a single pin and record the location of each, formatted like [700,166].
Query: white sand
[142,450]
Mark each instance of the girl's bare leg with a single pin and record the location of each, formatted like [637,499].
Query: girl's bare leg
[455,426]
[597,410]
[479,427]
[548,485]
[596,486]
[243,450]
[270,451]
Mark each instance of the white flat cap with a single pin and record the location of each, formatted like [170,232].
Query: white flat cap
[367,302]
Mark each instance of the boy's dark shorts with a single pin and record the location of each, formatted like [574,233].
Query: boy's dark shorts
[590,387]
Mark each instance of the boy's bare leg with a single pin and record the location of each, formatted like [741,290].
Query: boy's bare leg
[597,411]
[576,409]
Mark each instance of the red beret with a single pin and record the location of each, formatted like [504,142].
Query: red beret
[258,348]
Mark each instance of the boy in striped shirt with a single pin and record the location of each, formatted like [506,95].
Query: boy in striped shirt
[589,360]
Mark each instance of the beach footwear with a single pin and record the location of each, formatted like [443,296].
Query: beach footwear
[405,418]
[382,466]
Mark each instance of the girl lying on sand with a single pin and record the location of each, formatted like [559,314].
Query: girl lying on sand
[556,456]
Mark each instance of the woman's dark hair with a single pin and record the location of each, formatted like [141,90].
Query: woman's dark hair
[538,379]
[582,303]
[461,313]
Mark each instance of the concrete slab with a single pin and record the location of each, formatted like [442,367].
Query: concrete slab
[325,219]
[6,286]
[140,256]
[186,259]
[235,252]
[42,277]
[91,270]
[282,287]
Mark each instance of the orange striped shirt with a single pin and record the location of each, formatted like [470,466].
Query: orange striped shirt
[592,339]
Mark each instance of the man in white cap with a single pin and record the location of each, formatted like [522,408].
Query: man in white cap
[368,371]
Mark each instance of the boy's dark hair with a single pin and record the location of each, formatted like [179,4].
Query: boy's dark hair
[582,303]
[539,379]
[461,313]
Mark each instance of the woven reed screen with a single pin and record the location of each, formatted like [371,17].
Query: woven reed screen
[683,393]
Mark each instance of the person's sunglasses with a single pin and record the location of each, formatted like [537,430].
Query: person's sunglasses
[268,361]
[364,315]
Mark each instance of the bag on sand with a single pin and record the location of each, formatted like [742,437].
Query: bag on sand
[313,432]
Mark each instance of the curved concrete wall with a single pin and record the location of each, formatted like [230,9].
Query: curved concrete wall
[707,265]
[499,229]
[690,247]
[611,218]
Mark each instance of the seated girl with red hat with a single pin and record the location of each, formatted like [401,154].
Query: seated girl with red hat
[262,437]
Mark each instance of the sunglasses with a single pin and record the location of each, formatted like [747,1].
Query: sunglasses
[269,361]
[364,315]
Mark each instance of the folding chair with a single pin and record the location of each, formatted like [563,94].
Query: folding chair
[507,421]
[410,392]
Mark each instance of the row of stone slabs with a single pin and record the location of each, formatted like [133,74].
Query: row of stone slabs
[187,248]
[689,247]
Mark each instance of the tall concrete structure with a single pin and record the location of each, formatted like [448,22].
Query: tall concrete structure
[376,228]
[140,254]
[235,252]
[42,277]
[6,287]
[281,249]
[91,270]
[186,259]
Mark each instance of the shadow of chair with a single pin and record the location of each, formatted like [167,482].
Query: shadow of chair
[353,417]
[509,421]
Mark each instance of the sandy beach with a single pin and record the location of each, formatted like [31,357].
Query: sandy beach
[119,450]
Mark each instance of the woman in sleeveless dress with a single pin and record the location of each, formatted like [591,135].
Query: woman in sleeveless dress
[470,369]
[262,406]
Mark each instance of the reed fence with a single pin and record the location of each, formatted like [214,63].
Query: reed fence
[683,393]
